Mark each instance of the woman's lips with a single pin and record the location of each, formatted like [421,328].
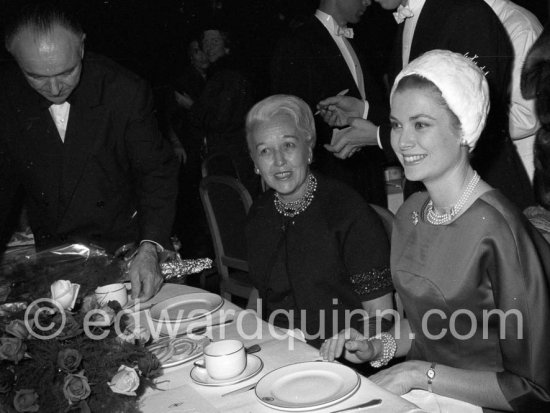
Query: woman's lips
[413,159]
[283,175]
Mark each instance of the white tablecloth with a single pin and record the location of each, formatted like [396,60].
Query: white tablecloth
[178,394]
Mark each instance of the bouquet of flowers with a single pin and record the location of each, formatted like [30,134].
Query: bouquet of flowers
[53,360]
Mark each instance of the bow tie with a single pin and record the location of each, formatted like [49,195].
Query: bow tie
[402,13]
[344,31]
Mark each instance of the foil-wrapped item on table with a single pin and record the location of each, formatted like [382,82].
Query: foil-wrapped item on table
[177,268]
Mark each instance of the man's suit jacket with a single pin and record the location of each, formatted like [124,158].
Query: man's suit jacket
[308,63]
[470,26]
[113,181]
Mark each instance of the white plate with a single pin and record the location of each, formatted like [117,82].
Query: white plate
[307,386]
[254,365]
[186,307]
[175,351]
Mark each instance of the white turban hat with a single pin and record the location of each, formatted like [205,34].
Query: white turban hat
[462,84]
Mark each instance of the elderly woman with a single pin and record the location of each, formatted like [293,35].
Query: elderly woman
[471,271]
[316,250]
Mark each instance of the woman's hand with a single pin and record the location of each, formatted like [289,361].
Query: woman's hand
[402,377]
[354,345]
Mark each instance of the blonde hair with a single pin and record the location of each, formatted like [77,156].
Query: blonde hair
[290,105]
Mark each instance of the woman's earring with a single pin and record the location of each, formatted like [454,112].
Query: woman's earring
[256,171]
[309,160]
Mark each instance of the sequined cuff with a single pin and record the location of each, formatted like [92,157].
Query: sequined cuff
[373,281]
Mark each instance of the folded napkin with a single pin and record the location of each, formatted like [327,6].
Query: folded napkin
[434,403]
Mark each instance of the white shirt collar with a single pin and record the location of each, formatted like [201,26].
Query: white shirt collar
[416,5]
[327,20]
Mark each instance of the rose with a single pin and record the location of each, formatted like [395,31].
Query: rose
[89,303]
[125,381]
[26,400]
[71,328]
[17,328]
[12,348]
[68,360]
[148,364]
[104,316]
[76,387]
[132,333]
[6,380]
[64,293]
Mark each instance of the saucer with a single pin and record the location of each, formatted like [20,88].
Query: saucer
[254,365]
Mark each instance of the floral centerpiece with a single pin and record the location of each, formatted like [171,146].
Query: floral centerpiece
[66,352]
[53,360]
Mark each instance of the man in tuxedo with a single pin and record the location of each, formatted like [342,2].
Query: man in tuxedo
[320,59]
[524,28]
[79,135]
[462,26]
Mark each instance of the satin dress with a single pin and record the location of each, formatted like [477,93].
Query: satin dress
[476,294]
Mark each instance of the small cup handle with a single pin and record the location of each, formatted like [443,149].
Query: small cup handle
[200,364]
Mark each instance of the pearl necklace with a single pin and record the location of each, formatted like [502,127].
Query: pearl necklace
[293,208]
[436,218]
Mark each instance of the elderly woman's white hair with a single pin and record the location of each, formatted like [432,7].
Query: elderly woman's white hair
[290,105]
[462,85]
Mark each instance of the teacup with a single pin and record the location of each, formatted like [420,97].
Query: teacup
[112,292]
[224,359]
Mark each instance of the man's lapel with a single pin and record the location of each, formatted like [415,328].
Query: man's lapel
[429,28]
[85,131]
[39,145]
[396,62]
[325,46]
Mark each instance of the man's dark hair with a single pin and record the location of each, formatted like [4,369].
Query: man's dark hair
[40,18]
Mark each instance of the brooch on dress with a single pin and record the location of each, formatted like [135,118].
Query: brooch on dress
[414,217]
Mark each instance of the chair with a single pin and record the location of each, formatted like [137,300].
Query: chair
[387,219]
[219,164]
[386,216]
[226,203]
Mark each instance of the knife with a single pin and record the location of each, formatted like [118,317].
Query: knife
[373,402]
[241,390]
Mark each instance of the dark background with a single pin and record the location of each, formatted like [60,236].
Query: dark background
[150,36]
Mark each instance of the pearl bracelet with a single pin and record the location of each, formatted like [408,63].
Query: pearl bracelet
[389,347]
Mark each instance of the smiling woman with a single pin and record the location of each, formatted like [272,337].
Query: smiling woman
[460,251]
[317,252]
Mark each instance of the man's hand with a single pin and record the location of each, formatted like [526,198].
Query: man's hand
[145,274]
[338,111]
[183,100]
[354,345]
[180,153]
[347,141]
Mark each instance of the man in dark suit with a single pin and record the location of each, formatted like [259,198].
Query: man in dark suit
[462,26]
[320,59]
[79,135]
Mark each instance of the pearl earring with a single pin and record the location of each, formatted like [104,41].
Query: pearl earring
[256,171]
